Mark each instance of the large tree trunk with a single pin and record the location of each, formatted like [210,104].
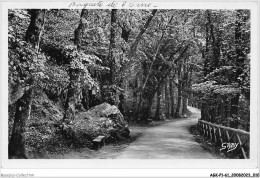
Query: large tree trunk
[111,55]
[16,147]
[35,29]
[78,33]
[109,93]
[206,71]
[74,89]
[215,43]
[126,29]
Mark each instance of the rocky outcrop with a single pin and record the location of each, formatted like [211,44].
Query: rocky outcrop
[103,119]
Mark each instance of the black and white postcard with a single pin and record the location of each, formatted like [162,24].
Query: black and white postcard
[130,85]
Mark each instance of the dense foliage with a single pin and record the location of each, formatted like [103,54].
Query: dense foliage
[149,63]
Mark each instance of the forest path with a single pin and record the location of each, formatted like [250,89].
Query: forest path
[171,140]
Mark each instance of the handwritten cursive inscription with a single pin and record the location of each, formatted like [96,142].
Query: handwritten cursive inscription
[112,4]
[85,5]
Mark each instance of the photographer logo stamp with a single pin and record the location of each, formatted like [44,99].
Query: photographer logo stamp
[228,146]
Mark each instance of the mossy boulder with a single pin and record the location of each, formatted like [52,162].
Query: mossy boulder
[103,119]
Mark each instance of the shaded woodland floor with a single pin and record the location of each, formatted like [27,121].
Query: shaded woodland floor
[109,151]
[159,137]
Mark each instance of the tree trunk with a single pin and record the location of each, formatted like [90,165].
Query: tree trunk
[16,147]
[240,58]
[167,99]
[86,97]
[158,106]
[121,103]
[212,110]
[78,33]
[172,98]
[74,91]
[191,99]
[179,87]
[109,93]
[122,84]
[138,38]
[111,56]
[178,107]
[74,88]
[148,102]
[126,29]
[134,46]
[234,106]
[215,43]
[35,29]
[227,107]
[203,110]
[135,93]
[184,105]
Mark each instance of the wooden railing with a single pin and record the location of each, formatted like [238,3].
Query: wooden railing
[222,136]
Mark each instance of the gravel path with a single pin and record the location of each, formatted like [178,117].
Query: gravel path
[171,140]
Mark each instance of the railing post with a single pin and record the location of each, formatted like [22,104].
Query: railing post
[241,146]
[215,135]
[209,132]
[220,134]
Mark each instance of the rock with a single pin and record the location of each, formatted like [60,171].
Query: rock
[103,119]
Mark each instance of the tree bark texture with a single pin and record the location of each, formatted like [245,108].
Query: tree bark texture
[79,32]
[111,55]
[16,147]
